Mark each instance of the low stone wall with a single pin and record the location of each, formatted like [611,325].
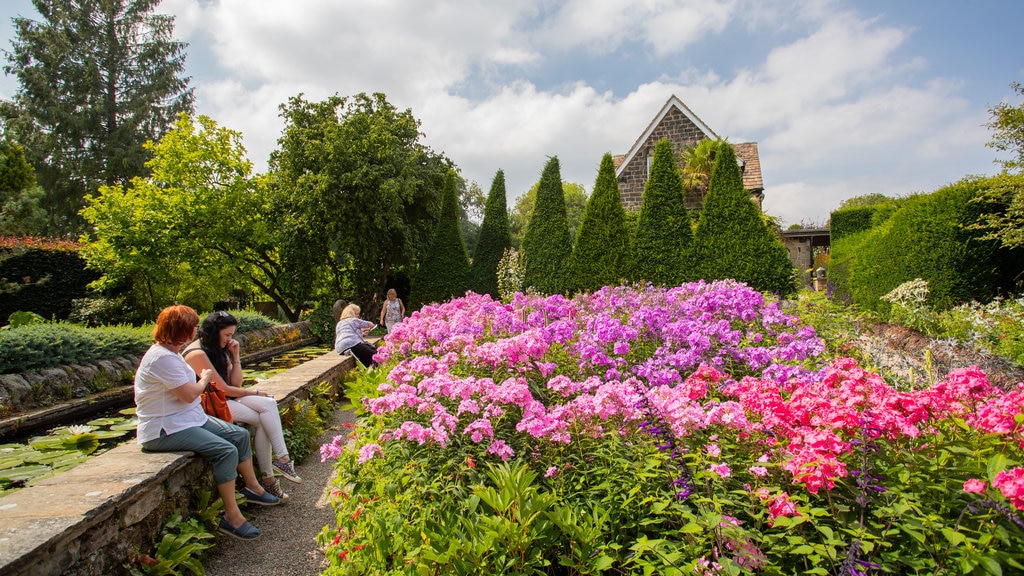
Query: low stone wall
[90,520]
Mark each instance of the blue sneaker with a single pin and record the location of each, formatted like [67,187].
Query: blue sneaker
[244,532]
[265,499]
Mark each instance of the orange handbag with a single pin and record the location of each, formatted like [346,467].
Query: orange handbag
[215,402]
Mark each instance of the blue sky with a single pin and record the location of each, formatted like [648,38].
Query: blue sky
[844,98]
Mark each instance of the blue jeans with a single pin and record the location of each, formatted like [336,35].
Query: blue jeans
[219,443]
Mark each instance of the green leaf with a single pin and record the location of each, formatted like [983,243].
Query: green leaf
[955,538]
[996,464]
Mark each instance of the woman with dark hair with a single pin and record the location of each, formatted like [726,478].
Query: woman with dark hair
[217,350]
[171,418]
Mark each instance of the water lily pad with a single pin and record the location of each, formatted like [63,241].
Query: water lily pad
[68,462]
[26,472]
[105,421]
[127,411]
[127,425]
[48,458]
[107,434]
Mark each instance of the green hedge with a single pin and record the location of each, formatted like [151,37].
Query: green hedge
[41,280]
[847,221]
[928,237]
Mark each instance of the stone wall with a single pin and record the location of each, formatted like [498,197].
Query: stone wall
[682,133]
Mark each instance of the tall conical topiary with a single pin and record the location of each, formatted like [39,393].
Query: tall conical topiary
[732,240]
[547,245]
[442,272]
[602,254]
[664,237]
[494,240]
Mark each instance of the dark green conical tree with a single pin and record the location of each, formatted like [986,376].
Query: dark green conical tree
[494,240]
[602,256]
[732,240]
[444,268]
[664,237]
[547,245]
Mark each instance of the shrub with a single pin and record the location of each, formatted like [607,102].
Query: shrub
[929,237]
[38,346]
[321,323]
[443,270]
[846,221]
[602,253]
[41,277]
[732,240]
[663,246]
[494,240]
[547,245]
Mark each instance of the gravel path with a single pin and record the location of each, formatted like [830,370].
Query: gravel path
[287,545]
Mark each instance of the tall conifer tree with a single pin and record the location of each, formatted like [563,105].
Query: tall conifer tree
[732,240]
[98,79]
[664,237]
[547,245]
[602,256]
[443,270]
[494,240]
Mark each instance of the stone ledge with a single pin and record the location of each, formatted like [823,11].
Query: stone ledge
[88,521]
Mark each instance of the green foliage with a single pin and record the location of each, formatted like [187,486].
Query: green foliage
[42,280]
[321,323]
[494,240]
[443,271]
[17,319]
[602,254]
[929,237]
[664,238]
[21,210]
[547,244]
[511,274]
[181,546]
[303,421]
[97,80]
[1003,216]
[37,346]
[732,240]
[193,231]
[250,320]
[519,216]
[697,163]
[357,192]
[1007,124]
[846,221]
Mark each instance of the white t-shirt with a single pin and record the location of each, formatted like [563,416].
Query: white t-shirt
[157,408]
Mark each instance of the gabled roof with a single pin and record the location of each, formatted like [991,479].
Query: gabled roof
[672,102]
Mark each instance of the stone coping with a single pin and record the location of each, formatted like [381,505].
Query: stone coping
[92,518]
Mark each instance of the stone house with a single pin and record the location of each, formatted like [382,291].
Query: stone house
[684,130]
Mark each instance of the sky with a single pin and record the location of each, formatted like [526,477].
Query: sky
[843,97]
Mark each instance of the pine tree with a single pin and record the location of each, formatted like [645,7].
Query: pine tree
[602,254]
[732,240]
[494,240]
[664,237]
[547,245]
[443,271]
[98,79]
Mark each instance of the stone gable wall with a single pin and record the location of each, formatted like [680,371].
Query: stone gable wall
[682,133]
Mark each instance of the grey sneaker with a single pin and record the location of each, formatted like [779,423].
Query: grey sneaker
[287,469]
[270,484]
[265,499]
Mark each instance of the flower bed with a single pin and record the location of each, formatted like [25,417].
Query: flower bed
[642,430]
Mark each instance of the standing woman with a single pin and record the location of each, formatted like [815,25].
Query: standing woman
[348,336]
[171,418]
[217,350]
[392,312]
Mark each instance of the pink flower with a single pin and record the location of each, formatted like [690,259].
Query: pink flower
[758,471]
[721,469]
[1011,484]
[368,452]
[781,505]
[974,485]
[551,472]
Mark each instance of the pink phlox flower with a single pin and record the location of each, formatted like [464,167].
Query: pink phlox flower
[500,449]
[721,469]
[479,428]
[781,505]
[1011,484]
[713,450]
[974,485]
[333,449]
[551,472]
[468,406]
[369,451]
[758,471]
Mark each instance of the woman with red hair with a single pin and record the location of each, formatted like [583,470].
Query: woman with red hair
[171,418]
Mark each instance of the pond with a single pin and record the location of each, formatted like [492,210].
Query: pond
[70,444]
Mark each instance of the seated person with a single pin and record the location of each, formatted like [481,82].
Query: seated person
[349,333]
[216,349]
[171,418]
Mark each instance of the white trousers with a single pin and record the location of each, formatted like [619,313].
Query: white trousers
[260,413]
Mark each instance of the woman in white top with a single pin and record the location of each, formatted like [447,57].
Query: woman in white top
[349,333]
[171,418]
[217,349]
